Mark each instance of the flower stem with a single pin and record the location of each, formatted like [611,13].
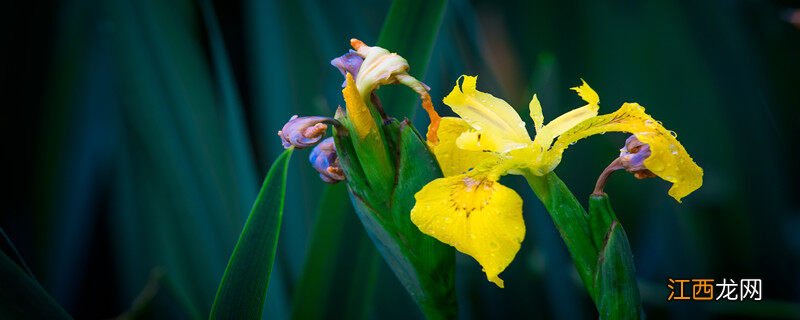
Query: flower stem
[597,243]
[571,221]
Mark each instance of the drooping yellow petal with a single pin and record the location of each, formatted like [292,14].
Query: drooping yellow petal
[479,217]
[668,159]
[357,110]
[565,122]
[452,159]
[587,93]
[492,117]
[535,109]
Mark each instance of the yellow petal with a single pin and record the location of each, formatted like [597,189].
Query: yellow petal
[492,117]
[452,159]
[668,159]
[537,116]
[476,141]
[587,93]
[357,110]
[479,217]
[565,122]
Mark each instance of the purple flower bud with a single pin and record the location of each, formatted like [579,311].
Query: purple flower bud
[303,132]
[632,157]
[324,159]
[348,63]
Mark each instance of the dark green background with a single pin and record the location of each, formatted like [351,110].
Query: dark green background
[137,132]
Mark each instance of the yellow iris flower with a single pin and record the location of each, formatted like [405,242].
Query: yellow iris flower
[470,210]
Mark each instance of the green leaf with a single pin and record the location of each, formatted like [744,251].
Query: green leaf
[363,278]
[173,160]
[21,297]
[233,122]
[410,29]
[15,253]
[615,284]
[601,216]
[243,287]
[617,293]
[423,265]
[318,275]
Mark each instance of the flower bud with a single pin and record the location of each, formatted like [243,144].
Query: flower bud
[632,158]
[324,159]
[348,63]
[303,132]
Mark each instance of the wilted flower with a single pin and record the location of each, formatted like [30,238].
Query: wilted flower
[349,62]
[380,67]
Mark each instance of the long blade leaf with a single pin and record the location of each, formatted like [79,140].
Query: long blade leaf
[243,287]
[21,297]
[412,40]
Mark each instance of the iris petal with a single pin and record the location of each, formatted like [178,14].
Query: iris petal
[668,159]
[452,159]
[565,122]
[492,117]
[478,216]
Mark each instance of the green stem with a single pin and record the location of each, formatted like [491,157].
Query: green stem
[598,246]
[571,221]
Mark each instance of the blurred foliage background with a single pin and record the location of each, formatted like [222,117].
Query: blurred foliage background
[137,133]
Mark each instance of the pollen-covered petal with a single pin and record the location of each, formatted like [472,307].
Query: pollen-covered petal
[668,159]
[479,217]
[488,114]
[357,110]
[452,159]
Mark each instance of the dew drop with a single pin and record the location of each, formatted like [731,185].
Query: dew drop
[673,133]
